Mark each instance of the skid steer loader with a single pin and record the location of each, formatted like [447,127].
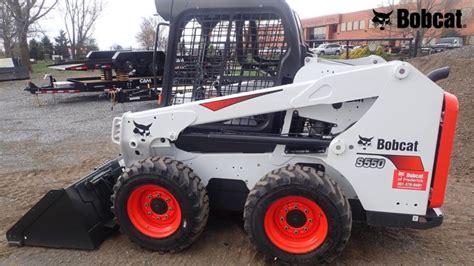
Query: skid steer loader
[253,122]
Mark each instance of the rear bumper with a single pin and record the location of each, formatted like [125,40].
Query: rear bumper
[433,218]
[444,151]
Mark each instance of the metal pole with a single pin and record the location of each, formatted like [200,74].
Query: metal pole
[347,49]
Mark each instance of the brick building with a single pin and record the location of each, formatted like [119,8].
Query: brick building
[358,25]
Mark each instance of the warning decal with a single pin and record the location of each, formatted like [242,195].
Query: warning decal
[411,180]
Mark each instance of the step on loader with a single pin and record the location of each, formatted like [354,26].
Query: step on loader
[253,122]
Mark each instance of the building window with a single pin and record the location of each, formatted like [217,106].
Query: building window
[349,26]
[356,25]
[318,33]
[343,26]
[362,24]
[371,24]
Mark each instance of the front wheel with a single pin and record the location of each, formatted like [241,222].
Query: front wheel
[297,216]
[160,204]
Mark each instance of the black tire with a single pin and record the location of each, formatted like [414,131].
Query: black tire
[182,183]
[338,52]
[322,53]
[299,181]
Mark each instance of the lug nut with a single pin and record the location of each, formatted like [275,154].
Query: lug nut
[286,227]
[149,196]
[146,204]
[310,220]
[149,213]
[295,232]
[281,218]
[305,210]
[305,229]
[286,210]
[296,206]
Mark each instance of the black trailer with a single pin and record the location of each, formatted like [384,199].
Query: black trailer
[11,69]
[125,76]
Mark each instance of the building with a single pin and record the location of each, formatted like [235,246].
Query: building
[358,25]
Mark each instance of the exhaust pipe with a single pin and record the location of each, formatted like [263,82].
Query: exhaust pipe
[77,216]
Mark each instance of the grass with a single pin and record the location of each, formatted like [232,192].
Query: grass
[41,68]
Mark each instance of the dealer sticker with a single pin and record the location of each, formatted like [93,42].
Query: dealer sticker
[411,180]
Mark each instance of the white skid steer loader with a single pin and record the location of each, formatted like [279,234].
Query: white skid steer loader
[253,122]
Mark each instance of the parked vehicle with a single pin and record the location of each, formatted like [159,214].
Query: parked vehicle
[328,49]
[447,43]
[391,49]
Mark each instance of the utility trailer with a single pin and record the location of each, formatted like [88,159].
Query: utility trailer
[256,123]
[126,76]
[11,69]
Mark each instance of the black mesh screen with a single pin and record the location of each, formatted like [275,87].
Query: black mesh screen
[223,54]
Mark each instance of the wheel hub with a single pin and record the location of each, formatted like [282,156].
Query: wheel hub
[159,206]
[296,218]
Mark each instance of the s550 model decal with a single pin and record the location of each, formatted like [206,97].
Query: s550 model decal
[365,162]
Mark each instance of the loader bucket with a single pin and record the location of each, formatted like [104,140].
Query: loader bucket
[76,217]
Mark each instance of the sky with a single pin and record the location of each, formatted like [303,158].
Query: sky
[120,19]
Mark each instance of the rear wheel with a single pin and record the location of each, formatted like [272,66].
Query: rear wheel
[160,204]
[297,216]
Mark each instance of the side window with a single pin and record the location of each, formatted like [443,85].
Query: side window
[228,53]
[224,54]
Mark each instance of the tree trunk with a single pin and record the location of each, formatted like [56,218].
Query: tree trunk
[24,51]
[7,43]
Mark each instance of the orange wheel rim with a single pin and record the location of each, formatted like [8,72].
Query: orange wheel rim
[154,211]
[296,224]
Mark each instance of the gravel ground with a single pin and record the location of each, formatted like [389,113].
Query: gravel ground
[48,147]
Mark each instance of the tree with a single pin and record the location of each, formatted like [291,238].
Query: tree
[80,18]
[46,47]
[61,47]
[116,47]
[146,35]
[35,52]
[7,28]
[89,46]
[25,13]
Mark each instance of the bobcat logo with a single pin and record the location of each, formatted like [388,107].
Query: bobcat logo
[142,130]
[365,142]
[381,19]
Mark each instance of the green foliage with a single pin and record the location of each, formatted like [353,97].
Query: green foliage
[46,47]
[364,52]
[34,49]
[61,47]
[39,49]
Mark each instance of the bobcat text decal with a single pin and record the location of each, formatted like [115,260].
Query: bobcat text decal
[423,19]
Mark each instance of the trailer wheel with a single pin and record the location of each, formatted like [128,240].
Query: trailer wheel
[297,216]
[160,204]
